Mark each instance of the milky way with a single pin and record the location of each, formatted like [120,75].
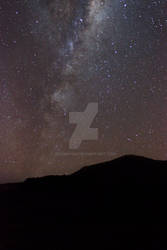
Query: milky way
[59,56]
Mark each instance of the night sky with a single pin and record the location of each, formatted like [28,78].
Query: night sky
[57,56]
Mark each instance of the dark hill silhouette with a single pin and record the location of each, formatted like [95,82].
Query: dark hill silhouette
[112,205]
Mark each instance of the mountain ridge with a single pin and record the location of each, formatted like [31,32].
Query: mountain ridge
[99,165]
[113,205]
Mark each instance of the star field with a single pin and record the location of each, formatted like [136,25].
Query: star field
[58,56]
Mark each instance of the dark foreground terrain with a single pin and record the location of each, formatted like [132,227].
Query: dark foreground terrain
[113,205]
